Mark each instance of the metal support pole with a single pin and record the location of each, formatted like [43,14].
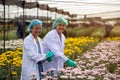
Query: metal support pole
[55,13]
[8,24]
[4,26]
[23,5]
[47,18]
[37,10]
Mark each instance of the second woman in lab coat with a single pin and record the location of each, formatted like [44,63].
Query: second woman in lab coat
[54,41]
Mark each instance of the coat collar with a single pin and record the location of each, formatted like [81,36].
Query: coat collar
[61,42]
[32,37]
[57,35]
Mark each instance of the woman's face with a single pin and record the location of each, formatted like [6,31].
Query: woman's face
[60,28]
[36,30]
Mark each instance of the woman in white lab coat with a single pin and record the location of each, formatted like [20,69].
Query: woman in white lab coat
[33,56]
[54,41]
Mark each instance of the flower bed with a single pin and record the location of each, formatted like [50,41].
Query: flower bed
[101,63]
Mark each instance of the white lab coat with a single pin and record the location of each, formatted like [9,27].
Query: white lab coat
[52,42]
[31,57]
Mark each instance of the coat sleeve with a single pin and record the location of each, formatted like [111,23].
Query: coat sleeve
[51,43]
[31,51]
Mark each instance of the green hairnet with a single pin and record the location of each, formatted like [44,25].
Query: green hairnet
[58,21]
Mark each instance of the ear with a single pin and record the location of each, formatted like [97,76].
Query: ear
[31,29]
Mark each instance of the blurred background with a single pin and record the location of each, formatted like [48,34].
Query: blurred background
[88,17]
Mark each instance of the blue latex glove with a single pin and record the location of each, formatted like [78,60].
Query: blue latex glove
[49,56]
[71,63]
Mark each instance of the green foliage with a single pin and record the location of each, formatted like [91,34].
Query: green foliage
[97,34]
[111,67]
[9,35]
[44,32]
[83,31]
[91,31]
[115,31]
[71,32]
